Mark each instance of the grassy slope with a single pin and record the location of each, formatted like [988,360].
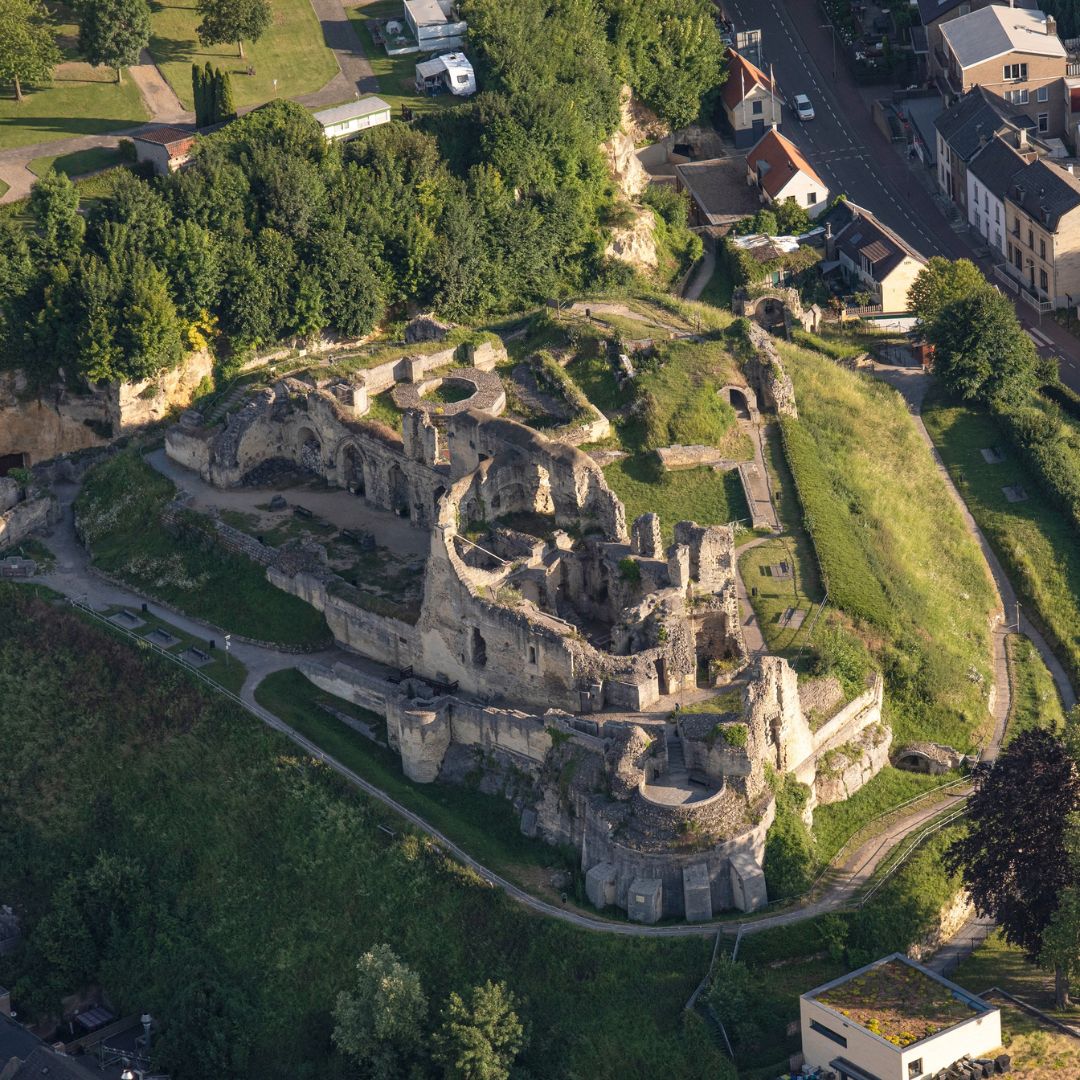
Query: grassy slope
[120,510]
[893,546]
[1035,700]
[270,872]
[291,51]
[1034,540]
[81,100]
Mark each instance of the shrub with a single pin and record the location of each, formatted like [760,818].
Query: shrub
[789,847]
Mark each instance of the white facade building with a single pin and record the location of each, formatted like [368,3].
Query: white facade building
[435,24]
[346,121]
[952,1022]
[988,176]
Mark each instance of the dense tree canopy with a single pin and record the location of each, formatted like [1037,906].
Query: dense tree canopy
[939,283]
[28,49]
[273,233]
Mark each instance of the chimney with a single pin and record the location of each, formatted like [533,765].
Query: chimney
[1021,138]
[1051,26]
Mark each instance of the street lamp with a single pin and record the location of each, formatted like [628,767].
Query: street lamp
[832,30]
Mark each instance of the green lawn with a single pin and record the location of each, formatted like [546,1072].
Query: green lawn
[262,876]
[81,100]
[120,516]
[1035,541]
[292,51]
[775,595]
[79,162]
[895,554]
[396,74]
[701,495]
[720,287]
[1035,699]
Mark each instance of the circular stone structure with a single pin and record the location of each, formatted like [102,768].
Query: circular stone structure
[486,393]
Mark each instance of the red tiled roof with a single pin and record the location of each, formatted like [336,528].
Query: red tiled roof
[165,135]
[783,158]
[741,79]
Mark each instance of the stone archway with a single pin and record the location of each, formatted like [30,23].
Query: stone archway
[354,470]
[742,399]
[309,450]
[12,461]
[397,491]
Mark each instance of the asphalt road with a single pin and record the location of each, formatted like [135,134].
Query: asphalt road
[855,159]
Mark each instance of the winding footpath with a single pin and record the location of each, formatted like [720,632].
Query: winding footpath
[74,578]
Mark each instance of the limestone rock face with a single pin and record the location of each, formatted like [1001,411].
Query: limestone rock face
[634,243]
[426,328]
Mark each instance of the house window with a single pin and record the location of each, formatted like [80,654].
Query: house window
[811,198]
[986,200]
[1016,97]
[1042,248]
[914,1068]
[1044,121]
[835,1036]
[1015,72]
[756,108]
[532,654]
[1043,93]
[997,211]
[1044,282]
[1031,240]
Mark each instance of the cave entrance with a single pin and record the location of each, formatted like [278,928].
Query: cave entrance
[13,461]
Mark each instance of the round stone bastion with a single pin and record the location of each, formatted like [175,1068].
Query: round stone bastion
[484,389]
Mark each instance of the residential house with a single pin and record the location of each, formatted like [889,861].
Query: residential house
[435,24]
[718,193]
[935,13]
[347,121]
[895,1020]
[872,257]
[166,147]
[964,129]
[777,168]
[750,99]
[451,72]
[23,1056]
[1014,53]
[989,174]
[1042,210]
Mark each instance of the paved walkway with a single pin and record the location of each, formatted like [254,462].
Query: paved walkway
[913,385]
[356,76]
[751,628]
[700,278]
[755,481]
[961,945]
[165,107]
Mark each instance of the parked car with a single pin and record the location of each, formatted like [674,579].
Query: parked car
[804,110]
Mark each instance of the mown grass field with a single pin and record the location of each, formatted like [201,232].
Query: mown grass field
[263,876]
[292,51]
[119,511]
[80,100]
[1035,541]
[892,547]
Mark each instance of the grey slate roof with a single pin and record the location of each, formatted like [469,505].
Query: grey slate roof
[1046,191]
[998,30]
[45,1063]
[995,165]
[858,232]
[929,10]
[978,113]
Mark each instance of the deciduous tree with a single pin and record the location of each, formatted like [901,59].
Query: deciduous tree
[28,50]
[940,282]
[379,1022]
[232,20]
[113,32]
[480,1039]
[1014,860]
[980,349]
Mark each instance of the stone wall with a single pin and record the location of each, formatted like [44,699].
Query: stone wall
[24,518]
[765,373]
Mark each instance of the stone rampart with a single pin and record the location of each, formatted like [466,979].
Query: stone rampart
[25,518]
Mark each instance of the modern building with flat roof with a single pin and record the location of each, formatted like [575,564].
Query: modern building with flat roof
[894,1020]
